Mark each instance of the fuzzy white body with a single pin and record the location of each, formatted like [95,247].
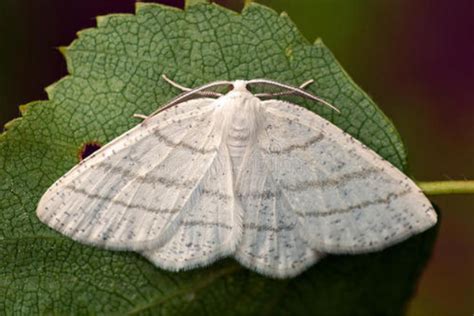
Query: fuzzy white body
[267,182]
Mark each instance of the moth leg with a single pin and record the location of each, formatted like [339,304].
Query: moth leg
[175,84]
[289,92]
[140,116]
[306,83]
[186,89]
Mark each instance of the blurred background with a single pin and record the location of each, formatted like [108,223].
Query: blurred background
[415,58]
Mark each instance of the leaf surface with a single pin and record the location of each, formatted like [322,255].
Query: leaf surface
[115,71]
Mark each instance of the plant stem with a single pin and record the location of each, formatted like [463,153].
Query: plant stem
[447,187]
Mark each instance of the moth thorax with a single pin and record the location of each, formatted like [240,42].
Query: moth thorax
[241,132]
[243,122]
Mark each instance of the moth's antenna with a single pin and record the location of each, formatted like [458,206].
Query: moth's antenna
[294,90]
[186,89]
[191,93]
[282,93]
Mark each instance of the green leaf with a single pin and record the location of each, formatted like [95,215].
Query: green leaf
[189,3]
[115,72]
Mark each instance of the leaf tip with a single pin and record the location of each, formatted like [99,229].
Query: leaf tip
[82,32]
[144,6]
[318,41]
[140,6]
[247,3]
[50,89]
[63,50]
[190,3]
[10,124]
[24,108]
[101,20]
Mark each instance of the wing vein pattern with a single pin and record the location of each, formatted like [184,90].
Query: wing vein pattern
[268,182]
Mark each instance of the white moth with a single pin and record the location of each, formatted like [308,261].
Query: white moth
[267,182]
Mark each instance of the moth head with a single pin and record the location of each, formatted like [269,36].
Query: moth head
[239,85]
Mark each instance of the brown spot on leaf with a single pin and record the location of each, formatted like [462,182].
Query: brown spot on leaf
[88,149]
